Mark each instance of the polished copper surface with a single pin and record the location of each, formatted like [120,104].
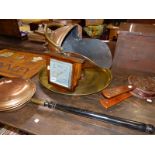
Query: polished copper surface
[144,83]
[56,37]
[69,39]
[93,80]
[144,86]
[140,94]
[15,92]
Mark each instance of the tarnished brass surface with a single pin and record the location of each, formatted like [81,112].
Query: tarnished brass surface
[15,92]
[93,80]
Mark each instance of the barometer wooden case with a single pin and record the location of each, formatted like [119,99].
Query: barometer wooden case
[64,71]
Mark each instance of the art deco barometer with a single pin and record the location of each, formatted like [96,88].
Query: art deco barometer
[64,71]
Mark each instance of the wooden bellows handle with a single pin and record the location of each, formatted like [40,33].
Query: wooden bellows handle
[115,91]
[107,103]
[115,95]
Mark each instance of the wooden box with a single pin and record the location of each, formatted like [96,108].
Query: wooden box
[10,27]
[135,48]
[64,71]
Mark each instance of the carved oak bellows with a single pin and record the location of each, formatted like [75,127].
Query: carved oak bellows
[142,87]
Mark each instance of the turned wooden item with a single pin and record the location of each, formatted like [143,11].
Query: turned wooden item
[149,128]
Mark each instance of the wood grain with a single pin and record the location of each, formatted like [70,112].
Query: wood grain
[107,103]
[115,91]
[15,63]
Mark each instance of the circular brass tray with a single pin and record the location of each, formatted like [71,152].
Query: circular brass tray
[93,81]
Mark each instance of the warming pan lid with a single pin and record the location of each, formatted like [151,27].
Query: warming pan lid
[15,92]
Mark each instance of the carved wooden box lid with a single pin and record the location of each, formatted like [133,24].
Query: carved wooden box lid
[144,86]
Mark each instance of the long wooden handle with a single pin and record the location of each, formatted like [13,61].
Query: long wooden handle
[101,117]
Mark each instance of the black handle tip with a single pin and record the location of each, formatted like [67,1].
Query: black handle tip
[150,128]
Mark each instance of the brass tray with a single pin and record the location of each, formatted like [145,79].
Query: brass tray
[93,81]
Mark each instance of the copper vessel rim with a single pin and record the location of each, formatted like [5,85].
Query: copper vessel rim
[21,98]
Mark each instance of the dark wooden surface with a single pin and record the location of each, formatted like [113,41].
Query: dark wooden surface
[143,29]
[56,122]
[141,21]
[9,27]
[23,45]
[135,48]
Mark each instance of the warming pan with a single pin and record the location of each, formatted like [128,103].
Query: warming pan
[15,92]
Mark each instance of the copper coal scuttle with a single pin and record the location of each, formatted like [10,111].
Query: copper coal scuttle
[67,41]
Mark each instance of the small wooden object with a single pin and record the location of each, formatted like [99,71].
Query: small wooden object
[64,71]
[115,95]
[107,103]
[115,91]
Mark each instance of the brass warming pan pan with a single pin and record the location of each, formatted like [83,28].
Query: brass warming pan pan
[15,92]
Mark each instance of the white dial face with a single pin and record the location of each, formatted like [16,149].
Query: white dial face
[60,73]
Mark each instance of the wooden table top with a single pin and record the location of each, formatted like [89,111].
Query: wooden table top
[36,119]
